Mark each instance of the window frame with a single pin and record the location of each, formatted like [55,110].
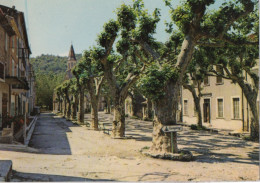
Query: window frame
[233,109]
[184,111]
[219,77]
[217,108]
[208,84]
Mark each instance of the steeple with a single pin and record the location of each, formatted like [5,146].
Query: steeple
[71,53]
[70,63]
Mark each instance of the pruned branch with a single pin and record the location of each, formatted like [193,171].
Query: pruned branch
[131,79]
[119,63]
[99,85]
[211,44]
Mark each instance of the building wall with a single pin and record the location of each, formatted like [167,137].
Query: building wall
[226,91]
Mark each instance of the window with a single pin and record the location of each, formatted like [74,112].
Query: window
[220,108]
[219,78]
[206,80]
[185,107]
[12,67]
[6,42]
[236,108]
[2,71]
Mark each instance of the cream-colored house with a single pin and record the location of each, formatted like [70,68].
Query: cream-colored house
[223,105]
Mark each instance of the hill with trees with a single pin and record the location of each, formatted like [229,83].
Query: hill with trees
[50,71]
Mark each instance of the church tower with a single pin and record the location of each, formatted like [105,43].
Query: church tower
[71,63]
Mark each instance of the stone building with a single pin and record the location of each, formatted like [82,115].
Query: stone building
[223,105]
[17,94]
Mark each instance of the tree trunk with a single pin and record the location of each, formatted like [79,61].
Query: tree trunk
[118,129]
[65,108]
[196,99]
[75,105]
[59,105]
[165,114]
[251,97]
[108,106]
[81,106]
[68,112]
[94,115]
[254,121]
[149,109]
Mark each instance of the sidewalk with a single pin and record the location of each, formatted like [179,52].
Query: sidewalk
[219,130]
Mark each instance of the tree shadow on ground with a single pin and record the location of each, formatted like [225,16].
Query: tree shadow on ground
[158,176]
[36,177]
[206,148]
[205,145]
[50,135]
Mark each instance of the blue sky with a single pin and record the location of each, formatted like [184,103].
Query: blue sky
[53,24]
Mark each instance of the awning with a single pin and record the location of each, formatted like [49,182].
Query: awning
[19,85]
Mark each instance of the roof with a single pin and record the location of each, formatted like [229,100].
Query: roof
[12,16]
[6,24]
[72,54]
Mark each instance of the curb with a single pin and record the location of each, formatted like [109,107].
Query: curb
[5,170]
[30,132]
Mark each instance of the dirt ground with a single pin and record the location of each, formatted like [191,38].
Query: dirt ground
[68,152]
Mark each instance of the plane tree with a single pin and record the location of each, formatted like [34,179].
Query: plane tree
[93,76]
[236,63]
[65,87]
[59,97]
[74,91]
[78,73]
[123,69]
[197,71]
[199,26]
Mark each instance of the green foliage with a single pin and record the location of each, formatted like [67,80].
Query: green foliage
[155,79]
[127,17]
[45,85]
[49,63]
[50,71]
[110,32]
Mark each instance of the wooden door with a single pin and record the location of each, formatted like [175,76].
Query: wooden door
[4,108]
[206,110]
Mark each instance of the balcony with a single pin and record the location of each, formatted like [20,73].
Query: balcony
[19,84]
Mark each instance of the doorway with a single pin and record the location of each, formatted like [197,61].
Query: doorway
[206,110]
[4,109]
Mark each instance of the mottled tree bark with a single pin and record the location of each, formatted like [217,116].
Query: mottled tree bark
[196,99]
[251,96]
[94,88]
[108,106]
[94,116]
[118,129]
[74,107]
[65,107]
[81,106]
[165,114]
[68,112]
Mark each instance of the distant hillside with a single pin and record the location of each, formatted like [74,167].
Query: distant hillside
[50,71]
[50,63]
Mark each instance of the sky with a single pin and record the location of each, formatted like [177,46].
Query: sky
[52,25]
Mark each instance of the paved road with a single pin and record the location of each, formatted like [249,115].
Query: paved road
[68,152]
[50,135]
